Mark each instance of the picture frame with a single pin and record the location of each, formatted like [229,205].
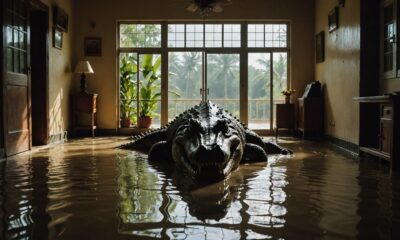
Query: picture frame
[60,19]
[333,19]
[92,46]
[57,38]
[320,47]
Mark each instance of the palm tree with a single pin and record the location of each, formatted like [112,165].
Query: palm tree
[191,67]
[224,68]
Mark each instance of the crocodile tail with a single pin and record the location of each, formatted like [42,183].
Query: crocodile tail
[146,140]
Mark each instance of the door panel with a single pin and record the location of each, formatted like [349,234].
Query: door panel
[16,88]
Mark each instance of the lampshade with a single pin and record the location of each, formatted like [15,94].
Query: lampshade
[83,67]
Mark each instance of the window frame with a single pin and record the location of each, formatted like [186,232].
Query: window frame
[243,52]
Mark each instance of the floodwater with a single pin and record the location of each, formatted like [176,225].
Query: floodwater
[87,189]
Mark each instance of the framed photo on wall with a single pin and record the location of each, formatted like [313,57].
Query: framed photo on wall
[333,19]
[60,18]
[57,38]
[92,46]
[320,47]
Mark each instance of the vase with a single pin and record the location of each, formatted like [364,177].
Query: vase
[287,99]
[144,121]
[125,122]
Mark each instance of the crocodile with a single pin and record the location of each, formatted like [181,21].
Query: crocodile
[205,140]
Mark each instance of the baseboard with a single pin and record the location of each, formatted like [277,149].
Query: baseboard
[349,147]
[57,138]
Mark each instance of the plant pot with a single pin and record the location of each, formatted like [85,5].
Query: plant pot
[287,99]
[125,122]
[144,122]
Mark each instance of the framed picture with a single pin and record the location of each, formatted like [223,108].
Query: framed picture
[333,19]
[60,19]
[92,46]
[320,47]
[57,38]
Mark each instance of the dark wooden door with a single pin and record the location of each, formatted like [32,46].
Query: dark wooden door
[16,87]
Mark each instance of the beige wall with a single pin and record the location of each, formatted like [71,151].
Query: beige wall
[340,72]
[60,75]
[106,13]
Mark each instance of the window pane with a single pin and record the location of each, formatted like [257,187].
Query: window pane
[259,82]
[223,76]
[194,35]
[128,86]
[255,35]
[176,34]
[388,33]
[275,35]
[150,87]
[140,35]
[184,82]
[280,79]
[231,35]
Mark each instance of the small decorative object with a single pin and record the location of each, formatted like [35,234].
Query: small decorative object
[333,19]
[57,38]
[83,67]
[287,94]
[320,47]
[341,3]
[60,19]
[92,46]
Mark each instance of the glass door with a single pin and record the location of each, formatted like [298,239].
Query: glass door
[267,78]
[140,87]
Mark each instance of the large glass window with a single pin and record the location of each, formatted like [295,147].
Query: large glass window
[203,62]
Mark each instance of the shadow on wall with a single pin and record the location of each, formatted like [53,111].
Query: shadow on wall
[56,116]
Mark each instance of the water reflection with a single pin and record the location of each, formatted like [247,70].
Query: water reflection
[158,200]
[87,189]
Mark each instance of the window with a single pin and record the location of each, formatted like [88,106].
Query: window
[390,46]
[204,61]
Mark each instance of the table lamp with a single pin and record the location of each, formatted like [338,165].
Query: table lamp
[83,67]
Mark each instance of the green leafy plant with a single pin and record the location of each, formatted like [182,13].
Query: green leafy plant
[128,87]
[149,87]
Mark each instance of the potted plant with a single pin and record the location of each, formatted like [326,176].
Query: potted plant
[128,88]
[287,94]
[149,90]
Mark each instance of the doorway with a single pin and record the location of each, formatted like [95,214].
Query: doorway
[39,71]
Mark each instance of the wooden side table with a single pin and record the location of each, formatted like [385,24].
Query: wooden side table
[84,112]
[285,117]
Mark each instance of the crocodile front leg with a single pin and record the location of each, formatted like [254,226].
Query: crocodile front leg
[254,153]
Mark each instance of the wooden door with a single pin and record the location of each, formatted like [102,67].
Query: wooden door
[16,87]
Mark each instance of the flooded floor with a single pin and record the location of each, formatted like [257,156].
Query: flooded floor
[87,189]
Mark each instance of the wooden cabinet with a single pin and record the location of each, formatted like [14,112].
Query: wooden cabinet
[285,117]
[84,111]
[311,117]
[380,128]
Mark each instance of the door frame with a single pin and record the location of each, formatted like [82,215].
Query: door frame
[40,6]
[2,67]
